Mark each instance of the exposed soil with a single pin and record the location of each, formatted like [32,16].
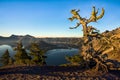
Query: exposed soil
[55,73]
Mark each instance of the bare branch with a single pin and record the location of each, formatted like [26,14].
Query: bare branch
[78,24]
[101,15]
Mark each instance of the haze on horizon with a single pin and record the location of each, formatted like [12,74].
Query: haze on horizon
[49,18]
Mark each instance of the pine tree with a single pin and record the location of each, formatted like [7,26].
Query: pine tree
[21,55]
[11,60]
[75,60]
[37,54]
[5,58]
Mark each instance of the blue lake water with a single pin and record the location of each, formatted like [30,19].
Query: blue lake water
[3,48]
[54,57]
[57,56]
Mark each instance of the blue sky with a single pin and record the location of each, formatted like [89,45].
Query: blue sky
[49,18]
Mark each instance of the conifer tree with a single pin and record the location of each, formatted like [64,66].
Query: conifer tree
[5,58]
[11,60]
[21,55]
[37,54]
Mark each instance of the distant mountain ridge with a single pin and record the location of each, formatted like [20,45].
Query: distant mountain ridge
[48,43]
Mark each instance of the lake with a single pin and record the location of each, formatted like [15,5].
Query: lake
[54,57]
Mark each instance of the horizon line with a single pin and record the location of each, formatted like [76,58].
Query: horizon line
[44,36]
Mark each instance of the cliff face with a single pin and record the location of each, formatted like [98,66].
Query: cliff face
[108,44]
[13,39]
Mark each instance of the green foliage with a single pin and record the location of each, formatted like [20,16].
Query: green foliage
[37,54]
[11,61]
[21,55]
[76,59]
[5,58]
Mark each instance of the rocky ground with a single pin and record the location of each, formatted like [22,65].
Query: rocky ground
[55,73]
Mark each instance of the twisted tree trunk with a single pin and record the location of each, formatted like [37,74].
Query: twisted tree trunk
[100,65]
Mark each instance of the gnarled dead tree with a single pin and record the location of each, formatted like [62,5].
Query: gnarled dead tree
[89,32]
[83,21]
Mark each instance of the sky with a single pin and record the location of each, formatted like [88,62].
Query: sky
[49,18]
